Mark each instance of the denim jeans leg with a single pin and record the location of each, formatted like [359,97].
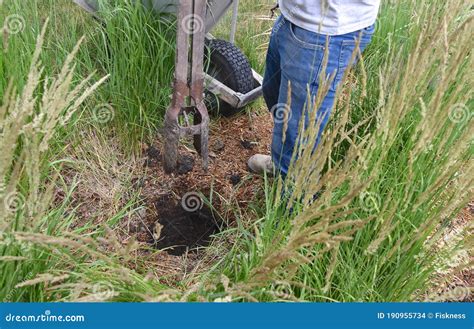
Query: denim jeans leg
[300,61]
[272,77]
[301,56]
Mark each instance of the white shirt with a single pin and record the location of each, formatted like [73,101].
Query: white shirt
[331,17]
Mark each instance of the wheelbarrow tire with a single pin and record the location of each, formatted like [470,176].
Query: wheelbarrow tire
[232,68]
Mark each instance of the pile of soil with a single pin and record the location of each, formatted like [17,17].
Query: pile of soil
[167,223]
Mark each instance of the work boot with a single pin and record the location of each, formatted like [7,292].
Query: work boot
[261,164]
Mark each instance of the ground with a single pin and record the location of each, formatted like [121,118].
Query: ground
[227,182]
[455,284]
[161,221]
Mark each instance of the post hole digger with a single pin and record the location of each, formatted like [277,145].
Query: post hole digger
[224,85]
[188,97]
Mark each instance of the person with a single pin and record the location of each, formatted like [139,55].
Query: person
[296,55]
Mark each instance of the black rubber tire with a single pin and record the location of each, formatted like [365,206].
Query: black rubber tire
[232,68]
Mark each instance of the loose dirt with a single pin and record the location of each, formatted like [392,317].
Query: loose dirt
[172,224]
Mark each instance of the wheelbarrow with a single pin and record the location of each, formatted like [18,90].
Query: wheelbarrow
[228,85]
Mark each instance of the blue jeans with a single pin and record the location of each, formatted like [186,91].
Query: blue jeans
[296,55]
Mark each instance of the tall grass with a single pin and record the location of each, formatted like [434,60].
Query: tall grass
[137,48]
[391,172]
[29,122]
[132,44]
[372,233]
[40,245]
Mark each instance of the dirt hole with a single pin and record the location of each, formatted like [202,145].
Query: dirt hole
[179,230]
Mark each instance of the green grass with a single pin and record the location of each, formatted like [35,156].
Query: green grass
[393,169]
[139,49]
[132,45]
[397,180]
